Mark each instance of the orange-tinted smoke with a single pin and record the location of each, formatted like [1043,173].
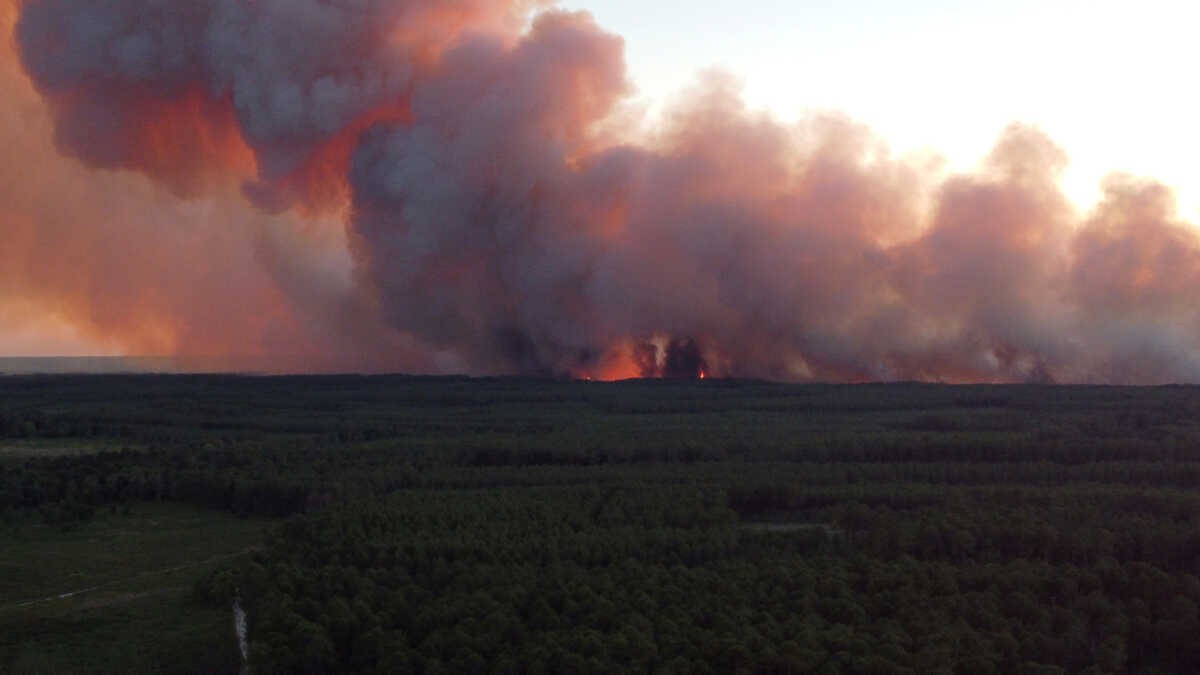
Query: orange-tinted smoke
[433,186]
[187,141]
[319,185]
[134,268]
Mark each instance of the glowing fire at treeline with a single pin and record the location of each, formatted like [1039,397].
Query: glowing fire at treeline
[439,185]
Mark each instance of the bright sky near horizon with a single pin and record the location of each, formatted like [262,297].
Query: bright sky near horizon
[1110,81]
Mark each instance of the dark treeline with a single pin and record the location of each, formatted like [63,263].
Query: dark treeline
[515,525]
[658,579]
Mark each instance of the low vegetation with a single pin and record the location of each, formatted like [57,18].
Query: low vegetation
[116,593]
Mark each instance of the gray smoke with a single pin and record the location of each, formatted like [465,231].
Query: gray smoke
[501,220]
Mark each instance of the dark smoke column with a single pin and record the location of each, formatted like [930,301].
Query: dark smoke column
[472,221]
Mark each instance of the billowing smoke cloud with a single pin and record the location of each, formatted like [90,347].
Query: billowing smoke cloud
[138,270]
[445,185]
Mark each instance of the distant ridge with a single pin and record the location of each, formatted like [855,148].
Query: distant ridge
[98,365]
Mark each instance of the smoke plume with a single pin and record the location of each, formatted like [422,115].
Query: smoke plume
[453,185]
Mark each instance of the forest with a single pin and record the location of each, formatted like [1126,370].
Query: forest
[512,525]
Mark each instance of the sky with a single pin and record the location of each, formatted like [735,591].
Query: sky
[1113,82]
[851,191]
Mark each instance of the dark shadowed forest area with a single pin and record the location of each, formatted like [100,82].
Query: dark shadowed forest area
[451,525]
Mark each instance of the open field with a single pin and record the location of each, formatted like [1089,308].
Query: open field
[508,525]
[16,450]
[114,594]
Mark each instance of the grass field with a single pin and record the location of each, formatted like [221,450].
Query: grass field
[115,593]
